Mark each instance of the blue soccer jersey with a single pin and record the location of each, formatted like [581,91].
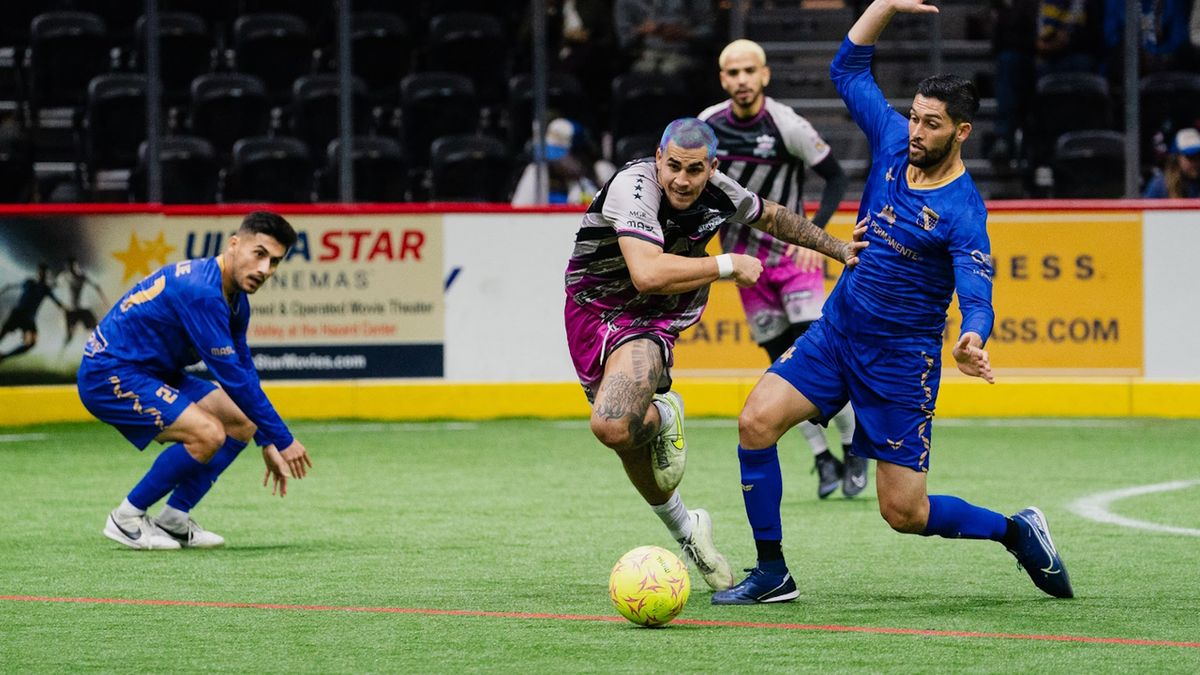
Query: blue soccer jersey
[926,241]
[178,316]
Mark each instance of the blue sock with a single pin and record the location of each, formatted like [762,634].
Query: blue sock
[955,518]
[194,487]
[762,490]
[172,467]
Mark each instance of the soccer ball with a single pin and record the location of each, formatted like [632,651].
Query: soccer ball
[649,586]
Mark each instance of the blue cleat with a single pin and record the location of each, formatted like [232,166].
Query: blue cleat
[1036,553]
[758,587]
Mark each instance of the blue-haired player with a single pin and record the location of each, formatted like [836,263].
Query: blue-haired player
[132,377]
[879,342]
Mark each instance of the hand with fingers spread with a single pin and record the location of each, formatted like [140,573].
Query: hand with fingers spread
[972,358]
[297,459]
[857,243]
[277,470]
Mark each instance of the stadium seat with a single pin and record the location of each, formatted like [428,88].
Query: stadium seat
[1068,102]
[114,121]
[316,111]
[646,103]
[189,171]
[318,14]
[634,147]
[471,44]
[434,105]
[185,52]
[228,106]
[564,98]
[274,47]
[66,50]
[380,172]
[1089,165]
[275,170]
[1170,101]
[382,52]
[470,169]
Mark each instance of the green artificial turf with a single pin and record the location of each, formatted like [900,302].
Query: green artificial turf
[511,519]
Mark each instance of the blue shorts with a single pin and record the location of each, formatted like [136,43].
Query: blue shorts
[893,391]
[138,404]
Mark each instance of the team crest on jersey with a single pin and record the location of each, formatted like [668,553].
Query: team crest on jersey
[888,214]
[765,146]
[928,219]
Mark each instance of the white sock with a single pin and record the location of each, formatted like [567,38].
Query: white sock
[845,424]
[815,436]
[173,516]
[675,516]
[666,415]
[127,510]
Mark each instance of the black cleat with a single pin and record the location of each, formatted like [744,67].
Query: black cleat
[854,480]
[829,473]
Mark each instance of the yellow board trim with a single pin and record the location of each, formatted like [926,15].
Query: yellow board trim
[706,397]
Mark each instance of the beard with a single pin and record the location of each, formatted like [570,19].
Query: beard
[932,156]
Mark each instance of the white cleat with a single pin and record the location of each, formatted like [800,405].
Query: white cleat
[191,535]
[668,452]
[701,552]
[137,532]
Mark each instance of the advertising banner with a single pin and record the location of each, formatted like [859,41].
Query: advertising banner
[359,296]
[1067,294]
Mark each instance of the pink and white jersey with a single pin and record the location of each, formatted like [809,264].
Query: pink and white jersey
[633,204]
[768,154]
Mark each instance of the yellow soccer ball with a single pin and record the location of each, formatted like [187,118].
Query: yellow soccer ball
[649,586]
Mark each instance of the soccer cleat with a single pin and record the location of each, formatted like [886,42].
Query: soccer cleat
[138,532]
[759,587]
[854,480]
[1036,553]
[668,452]
[700,551]
[191,535]
[829,474]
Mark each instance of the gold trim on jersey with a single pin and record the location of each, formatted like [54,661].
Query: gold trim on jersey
[954,175]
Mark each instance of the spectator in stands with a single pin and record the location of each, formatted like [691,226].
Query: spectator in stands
[1180,177]
[1014,46]
[669,37]
[573,176]
[580,42]
[1069,36]
[1165,27]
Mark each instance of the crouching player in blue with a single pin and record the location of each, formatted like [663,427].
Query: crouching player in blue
[879,342]
[132,377]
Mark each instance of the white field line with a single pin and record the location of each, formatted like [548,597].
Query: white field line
[17,438]
[1095,507]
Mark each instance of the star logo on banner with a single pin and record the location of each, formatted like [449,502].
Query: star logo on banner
[141,253]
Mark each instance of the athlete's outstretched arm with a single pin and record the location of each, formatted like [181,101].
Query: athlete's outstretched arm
[878,14]
[794,228]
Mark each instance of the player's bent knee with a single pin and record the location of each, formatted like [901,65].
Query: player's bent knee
[612,433]
[207,439]
[242,429]
[755,430]
[901,518]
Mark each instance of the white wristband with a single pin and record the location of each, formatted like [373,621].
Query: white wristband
[724,266]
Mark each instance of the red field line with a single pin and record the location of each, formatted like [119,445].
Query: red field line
[583,617]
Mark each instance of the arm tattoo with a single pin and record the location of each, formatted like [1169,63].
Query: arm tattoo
[796,229]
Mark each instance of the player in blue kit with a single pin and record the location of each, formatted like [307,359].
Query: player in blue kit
[132,377]
[878,344]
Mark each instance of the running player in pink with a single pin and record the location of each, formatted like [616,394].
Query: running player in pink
[638,276]
[764,145]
